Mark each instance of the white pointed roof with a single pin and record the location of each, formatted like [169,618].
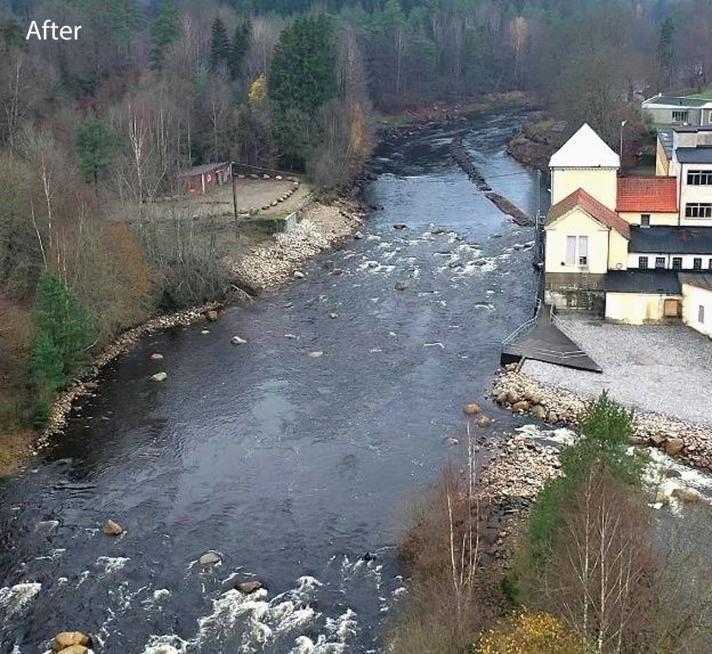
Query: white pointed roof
[585,149]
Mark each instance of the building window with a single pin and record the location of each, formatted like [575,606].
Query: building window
[659,262]
[698,210]
[697,263]
[577,250]
[680,116]
[701,314]
[583,251]
[699,177]
[677,263]
[709,264]
[642,262]
[645,220]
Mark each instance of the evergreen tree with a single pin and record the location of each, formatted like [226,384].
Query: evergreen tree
[301,79]
[95,142]
[60,349]
[219,46]
[666,52]
[238,49]
[163,32]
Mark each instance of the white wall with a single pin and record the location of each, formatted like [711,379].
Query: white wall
[636,308]
[599,183]
[693,298]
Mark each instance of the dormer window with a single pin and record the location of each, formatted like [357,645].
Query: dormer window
[645,220]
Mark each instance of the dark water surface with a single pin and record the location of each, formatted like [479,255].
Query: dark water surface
[291,467]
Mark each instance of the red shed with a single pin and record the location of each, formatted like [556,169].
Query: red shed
[203,178]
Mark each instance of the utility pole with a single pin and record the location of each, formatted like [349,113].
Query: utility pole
[233,174]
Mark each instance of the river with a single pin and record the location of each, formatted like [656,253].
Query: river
[298,470]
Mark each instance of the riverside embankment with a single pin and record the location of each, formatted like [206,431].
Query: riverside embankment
[294,468]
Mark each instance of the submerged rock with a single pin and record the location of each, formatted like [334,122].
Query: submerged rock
[160,377]
[67,639]
[156,356]
[112,528]
[401,286]
[333,315]
[298,274]
[236,340]
[484,422]
[209,558]
[316,354]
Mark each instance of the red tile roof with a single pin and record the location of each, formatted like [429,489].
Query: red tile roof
[593,208]
[649,194]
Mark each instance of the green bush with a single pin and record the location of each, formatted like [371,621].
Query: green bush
[61,346]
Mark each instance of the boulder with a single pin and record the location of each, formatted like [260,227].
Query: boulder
[236,340]
[689,495]
[674,446]
[484,422]
[512,397]
[400,286]
[62,641]
[522,405]
[538,411]
[160,377]
[249,587]
[333,315]
[298,274]
[501,398]
[453,441]
[209,558]
[75,649]
[471,409]
[211,315]
[112,528]
[657,440]
[553,417]
[399,226]
[156,356]
[316,354]
[358,236]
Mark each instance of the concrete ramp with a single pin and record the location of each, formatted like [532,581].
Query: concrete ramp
[542,340]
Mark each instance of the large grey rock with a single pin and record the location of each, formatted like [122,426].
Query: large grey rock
[236,340]
[160,377]
[471,409]
[66,639]
[209,558]
[249,587]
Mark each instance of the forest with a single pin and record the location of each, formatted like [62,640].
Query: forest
[93,131]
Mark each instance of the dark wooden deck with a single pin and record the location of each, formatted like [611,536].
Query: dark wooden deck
[542,340]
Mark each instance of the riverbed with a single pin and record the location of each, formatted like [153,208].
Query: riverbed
[297,468]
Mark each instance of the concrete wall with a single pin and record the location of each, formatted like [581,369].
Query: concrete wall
[662,163]
[600,183]
[693,298]
[656,219]
[575,291]
[662,116]
[637,308]
[576,223]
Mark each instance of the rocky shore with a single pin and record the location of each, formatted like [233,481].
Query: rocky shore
[687,441]
[536,141]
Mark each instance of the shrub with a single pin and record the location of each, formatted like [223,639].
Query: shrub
[530,633]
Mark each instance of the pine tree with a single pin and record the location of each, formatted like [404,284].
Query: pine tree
[164,31]
[219,46]
[60,349]
[666,52]
[238,49]
[94,141]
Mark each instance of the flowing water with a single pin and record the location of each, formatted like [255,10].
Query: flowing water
[298,470]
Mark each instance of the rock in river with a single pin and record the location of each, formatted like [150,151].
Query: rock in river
[401,286]
[209,558]
[156,356]
[471,409]
[484,422]
[66,639]
[75,649]
[211,315]
[690,495]
[160,377]
[298,274]
[316,354]
[112,528]
[236,340]
[249,587]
